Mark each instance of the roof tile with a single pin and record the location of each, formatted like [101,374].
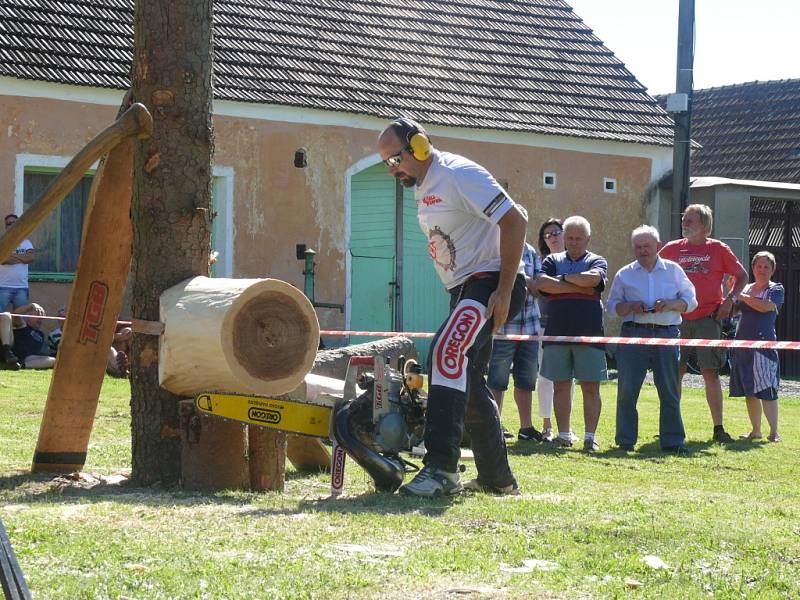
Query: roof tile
[517,65]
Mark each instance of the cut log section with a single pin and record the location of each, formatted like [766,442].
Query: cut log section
[248,336]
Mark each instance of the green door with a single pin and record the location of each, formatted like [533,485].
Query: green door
[386,249]
[372,252]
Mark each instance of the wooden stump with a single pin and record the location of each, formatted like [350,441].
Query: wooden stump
[213,451]
[266,458]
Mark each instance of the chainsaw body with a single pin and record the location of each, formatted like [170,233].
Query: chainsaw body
[387,418]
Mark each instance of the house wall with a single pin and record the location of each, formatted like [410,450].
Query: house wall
[277,206]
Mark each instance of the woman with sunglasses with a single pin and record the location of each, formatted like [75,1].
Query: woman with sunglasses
[551,239]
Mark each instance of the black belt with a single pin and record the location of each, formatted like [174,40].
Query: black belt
[647,325]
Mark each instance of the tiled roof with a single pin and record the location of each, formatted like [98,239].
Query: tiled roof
[513,65]
[748,131]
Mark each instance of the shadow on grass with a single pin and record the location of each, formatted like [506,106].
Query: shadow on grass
[45,487]
[646,451]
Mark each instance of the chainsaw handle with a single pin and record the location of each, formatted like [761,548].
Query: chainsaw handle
[352,374]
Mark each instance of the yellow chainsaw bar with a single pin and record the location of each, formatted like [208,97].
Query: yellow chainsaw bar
[274,413]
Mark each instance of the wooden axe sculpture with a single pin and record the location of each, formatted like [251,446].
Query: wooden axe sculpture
[97,291]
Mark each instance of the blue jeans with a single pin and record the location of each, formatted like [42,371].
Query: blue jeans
[632,364]
[16,296]
[521,358]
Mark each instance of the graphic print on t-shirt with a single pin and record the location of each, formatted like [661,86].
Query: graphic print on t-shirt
[442,249]
[694,263]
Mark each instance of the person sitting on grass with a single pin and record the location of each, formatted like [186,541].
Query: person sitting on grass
[29,344]
[117,363]
[8,360]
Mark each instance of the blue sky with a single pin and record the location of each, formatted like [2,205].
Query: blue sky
[736,40]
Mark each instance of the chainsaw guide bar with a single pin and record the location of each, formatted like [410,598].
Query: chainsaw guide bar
[274,413]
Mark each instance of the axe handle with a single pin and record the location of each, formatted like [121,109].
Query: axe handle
[136,121]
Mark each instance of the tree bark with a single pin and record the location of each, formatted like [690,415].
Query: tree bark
[172,76]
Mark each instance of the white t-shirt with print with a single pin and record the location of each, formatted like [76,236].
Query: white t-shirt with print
[458,206]
[16,276]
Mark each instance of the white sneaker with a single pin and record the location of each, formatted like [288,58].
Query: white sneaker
[431,482]
[547,434]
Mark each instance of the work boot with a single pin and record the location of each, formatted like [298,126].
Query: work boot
[476,485]
[721,436]
[431,482]
[11,360]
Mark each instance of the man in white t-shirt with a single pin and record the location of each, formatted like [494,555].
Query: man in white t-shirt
[14,272]
[475,237]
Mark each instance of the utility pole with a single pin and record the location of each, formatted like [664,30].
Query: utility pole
[680,104]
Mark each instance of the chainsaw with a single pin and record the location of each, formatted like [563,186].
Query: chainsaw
[371,416]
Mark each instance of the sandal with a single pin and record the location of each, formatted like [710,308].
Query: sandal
[751,436]
[774,438]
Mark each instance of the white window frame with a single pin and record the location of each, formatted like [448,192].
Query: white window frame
[222,197]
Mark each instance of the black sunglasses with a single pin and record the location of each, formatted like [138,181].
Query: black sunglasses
[550,234]
[395,159]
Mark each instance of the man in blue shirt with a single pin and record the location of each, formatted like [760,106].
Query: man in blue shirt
[574,280]
[650,294]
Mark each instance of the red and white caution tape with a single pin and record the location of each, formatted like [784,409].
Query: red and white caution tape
[585,339]
[138,325]
[156,328]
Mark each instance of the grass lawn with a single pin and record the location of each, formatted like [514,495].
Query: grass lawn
[724,521]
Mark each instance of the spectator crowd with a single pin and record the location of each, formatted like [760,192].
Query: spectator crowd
[682,289]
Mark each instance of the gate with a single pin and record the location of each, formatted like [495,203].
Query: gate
[775,227]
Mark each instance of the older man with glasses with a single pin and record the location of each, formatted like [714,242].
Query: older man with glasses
[475,236]
[14,272]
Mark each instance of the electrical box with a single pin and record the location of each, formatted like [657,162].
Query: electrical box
[677,103]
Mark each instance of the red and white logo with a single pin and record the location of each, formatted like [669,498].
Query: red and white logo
[93,312]
[337,470]
[431,200]
[456,339]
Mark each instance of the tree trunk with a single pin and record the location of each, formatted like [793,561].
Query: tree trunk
[171,204]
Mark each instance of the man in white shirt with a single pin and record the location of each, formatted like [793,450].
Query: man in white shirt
[14,272]
[650,294]
[475,237]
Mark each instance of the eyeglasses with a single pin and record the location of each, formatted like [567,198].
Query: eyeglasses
[395,159]
[550,234]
